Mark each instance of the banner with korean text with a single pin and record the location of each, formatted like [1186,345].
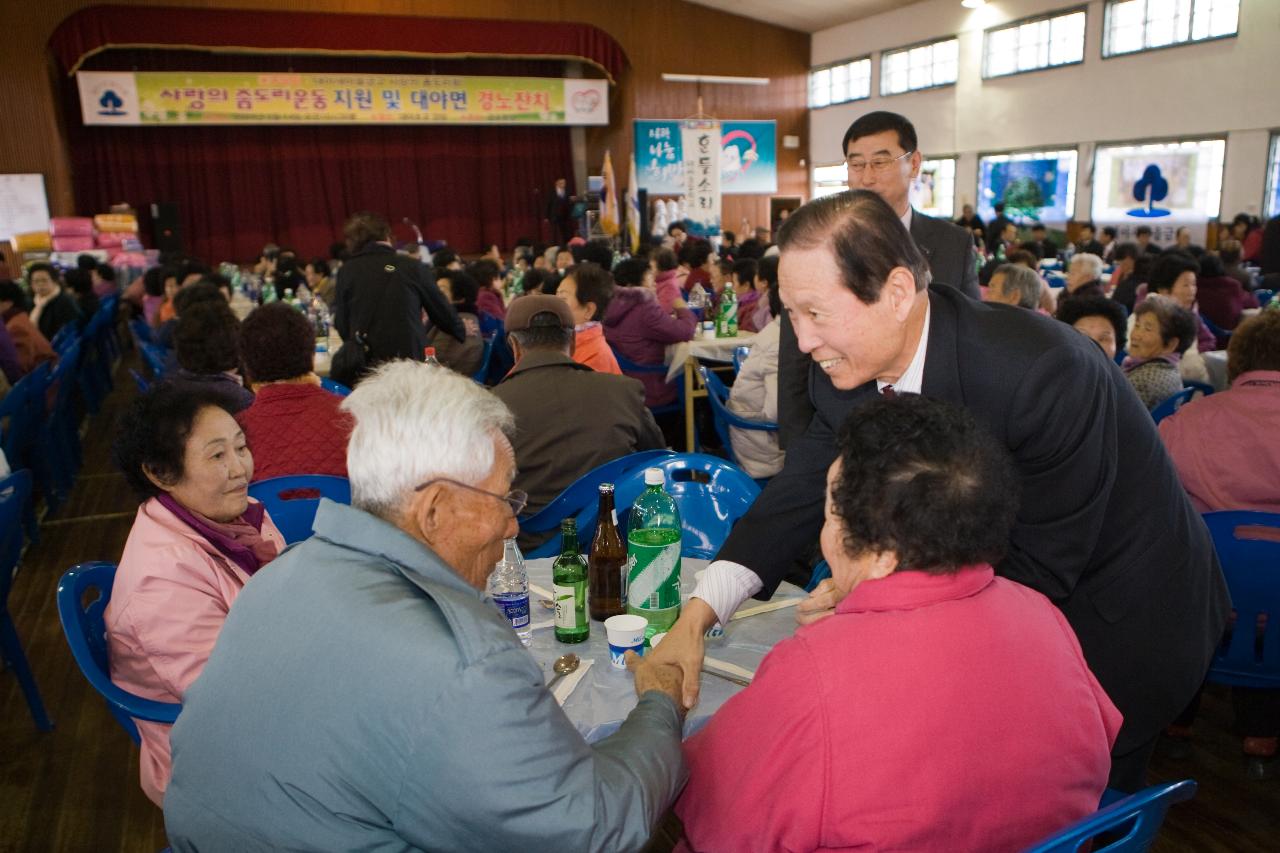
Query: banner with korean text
[700,142]
[208,98]
[748,157]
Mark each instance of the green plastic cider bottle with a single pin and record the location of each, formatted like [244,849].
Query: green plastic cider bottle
[653,556]
[569,586]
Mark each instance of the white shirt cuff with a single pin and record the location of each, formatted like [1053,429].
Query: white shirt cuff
[725,585]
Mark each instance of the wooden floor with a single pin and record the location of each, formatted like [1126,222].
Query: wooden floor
[76,788]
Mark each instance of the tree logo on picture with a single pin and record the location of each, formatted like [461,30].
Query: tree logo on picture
[111,104]
[1149,189]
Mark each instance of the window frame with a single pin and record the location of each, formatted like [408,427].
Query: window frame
[906,48]
[956,170]
[1106,25]
[830,65]
[1271,185]
[1031,19]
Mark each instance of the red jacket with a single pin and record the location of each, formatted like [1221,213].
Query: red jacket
[1221,299]
[930,712]
[636,326]
[295,428]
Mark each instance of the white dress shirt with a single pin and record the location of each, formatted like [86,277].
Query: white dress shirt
[726,584]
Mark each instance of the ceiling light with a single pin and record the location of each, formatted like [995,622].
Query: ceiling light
[713,78]
[973,4]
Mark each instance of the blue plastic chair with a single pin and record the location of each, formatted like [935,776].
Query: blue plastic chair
[1247,657]
[59,440]
[501,359]
[1138,816]
[84,625]
[1203,387]
[23,411]
[580,496]
[156,358]
[633,369]
[482,372]
[15,495]
[821,572]
[1221,336]
[64,337]
[711,494]
[141,332]
[141,381]
[718,396]
[334,387]
[1172,404]
[292,501]
[739,356]
[1263,296]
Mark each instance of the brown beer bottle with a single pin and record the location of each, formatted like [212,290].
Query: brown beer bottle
[605,564]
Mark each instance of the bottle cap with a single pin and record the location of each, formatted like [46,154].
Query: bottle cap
[428,352]
[654,477]
[606,488]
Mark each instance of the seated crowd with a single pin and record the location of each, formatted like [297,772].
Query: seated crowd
[333,695]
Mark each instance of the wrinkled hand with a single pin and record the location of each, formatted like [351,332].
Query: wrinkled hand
[820,603]
[651,675]
[683,646]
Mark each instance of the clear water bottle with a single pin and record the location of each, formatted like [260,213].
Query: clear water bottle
[319,316]
[698,298]
[509,589]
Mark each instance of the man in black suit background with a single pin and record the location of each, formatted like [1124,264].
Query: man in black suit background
[883,155]
[1104,530]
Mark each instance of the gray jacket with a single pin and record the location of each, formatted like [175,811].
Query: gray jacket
[361,696]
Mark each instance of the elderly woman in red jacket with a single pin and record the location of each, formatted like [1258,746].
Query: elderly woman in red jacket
[639,329]
[937,707]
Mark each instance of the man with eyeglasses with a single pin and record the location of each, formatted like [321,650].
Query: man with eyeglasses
[363,695]
[883,156]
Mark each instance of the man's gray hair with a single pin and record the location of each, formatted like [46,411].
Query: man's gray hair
[414,422]
[1022,279]
[1088,261]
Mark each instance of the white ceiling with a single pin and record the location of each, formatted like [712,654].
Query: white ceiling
[805,15]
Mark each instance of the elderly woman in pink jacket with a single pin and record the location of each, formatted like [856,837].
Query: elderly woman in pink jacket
[196,541]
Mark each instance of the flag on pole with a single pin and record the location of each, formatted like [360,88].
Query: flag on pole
[609,200]
[633,208]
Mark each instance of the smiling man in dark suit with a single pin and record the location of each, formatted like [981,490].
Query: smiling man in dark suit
[1104,530]
[883,156]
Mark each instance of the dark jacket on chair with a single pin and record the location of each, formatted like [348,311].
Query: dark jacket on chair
[382,294]
[57,312]
[1105,529]
[949,250]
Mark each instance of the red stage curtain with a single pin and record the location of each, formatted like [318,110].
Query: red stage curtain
[239,187]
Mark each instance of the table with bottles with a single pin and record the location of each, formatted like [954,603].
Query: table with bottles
[684,357]
[604,696]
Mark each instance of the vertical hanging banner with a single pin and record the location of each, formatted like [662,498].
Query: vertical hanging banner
[700,141]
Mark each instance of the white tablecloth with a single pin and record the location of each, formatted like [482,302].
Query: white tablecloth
[606,695]
[1216,361]
[712,349]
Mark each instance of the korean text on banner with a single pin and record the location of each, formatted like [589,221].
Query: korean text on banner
[187,98]
[700,142]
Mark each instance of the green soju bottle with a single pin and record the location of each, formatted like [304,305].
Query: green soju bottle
[653,555]
[569,585]
[727,315]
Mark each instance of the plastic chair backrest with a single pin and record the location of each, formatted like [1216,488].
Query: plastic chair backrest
[711,494]
[628,366]
[334,387]
[1139,816]
[64,377]
[141,331]
[84,625]
[739,356]
[15,491]
[65,336]
[1220,334]
[292,501]
[1203,387]
[1249,655]
[1172,404]
[141,381]
[156,357]
[483,370]
[718,396]
[582,495]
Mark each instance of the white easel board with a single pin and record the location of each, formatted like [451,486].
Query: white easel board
[23,205]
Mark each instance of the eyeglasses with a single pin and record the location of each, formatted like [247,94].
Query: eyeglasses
[877,164]
[516,499]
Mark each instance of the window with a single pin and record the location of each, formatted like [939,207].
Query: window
[1134,25]
[1035,186]
[933,192]
[921,67]
[829,180]
[1037,43]
[1272,207]
[836,84]
[1159,184]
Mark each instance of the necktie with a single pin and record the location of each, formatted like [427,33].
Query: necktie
[887,391]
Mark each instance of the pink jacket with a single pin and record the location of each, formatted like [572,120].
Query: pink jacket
[930,712]
[667,286]
[637,327]
[170,597]
[1224,446]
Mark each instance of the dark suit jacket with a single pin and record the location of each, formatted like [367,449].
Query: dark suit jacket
[949,251]
[569,420]
[58,312]
[1105,529]
[383,294]
[1093,247]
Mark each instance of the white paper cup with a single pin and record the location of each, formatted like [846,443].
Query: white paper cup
[626,633]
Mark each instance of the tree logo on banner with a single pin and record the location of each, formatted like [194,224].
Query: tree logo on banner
[111,104]
[1149,189]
